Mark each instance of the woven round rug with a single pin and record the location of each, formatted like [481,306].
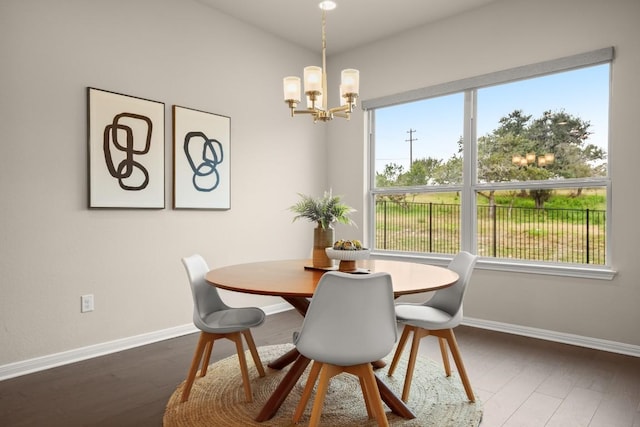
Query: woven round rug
[218,399]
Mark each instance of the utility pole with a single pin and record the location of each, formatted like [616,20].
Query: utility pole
[410,141]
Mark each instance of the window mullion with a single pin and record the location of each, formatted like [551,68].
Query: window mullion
[371,238]
[469,164]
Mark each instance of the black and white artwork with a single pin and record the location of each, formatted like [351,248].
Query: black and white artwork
[126,151]
[201,159]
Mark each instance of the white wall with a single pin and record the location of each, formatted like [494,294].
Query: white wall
[52,248]
[503,35]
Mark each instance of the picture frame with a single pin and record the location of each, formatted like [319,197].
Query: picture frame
[201,159]
[126,151]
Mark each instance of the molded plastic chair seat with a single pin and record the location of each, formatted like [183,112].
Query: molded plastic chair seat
[350,323]
[425,317]
[437,316]
[234,320]
[217,320]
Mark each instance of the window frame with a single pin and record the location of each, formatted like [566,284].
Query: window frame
[470,186]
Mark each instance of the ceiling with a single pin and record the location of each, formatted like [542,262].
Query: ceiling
[351,24]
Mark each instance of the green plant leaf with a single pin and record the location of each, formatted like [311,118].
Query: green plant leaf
[324,210]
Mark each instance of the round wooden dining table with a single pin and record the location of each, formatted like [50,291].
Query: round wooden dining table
[295,281]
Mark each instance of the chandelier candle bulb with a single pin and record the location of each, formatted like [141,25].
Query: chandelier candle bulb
[350,81]
[312,79]
[292,89]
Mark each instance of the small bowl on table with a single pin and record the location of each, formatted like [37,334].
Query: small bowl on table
[347,257]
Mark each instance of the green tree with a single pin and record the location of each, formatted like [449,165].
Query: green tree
[422,172]
[389,177]
[559,133]
[449,172]
[566,136]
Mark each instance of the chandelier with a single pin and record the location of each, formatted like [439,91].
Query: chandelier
[315,85]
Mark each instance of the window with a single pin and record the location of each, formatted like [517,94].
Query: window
[511,166]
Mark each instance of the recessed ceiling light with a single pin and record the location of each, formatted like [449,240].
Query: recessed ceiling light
[327,5]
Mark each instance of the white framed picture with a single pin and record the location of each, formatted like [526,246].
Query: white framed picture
[201,159]
[126,151]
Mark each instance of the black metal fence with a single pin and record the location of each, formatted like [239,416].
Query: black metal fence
[557,235]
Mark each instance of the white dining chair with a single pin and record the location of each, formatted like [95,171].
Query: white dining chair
[216,320]
[438,317]
[349,324]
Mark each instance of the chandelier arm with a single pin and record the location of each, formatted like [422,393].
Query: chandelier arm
[296,112]
[348,108]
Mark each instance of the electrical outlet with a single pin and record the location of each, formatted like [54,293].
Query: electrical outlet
[86,303]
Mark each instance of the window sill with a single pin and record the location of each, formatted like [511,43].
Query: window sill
[563,270]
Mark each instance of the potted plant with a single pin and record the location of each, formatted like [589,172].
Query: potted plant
[324,211]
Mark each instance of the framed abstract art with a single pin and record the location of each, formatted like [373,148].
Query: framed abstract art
[201,161]
[126,151]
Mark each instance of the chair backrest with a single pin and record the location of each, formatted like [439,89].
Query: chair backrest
[351,319]
[450,299]
[206,299]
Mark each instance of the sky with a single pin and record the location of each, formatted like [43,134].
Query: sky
[438,122]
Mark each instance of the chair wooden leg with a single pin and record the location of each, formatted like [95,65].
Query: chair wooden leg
[207,356]
[326,373]
[370,391]
[203,354]
[197,356]
[236,337]
[366,396]
[455,352]
[373,395]
[418,334]
[399,349]
[445,355]
[254,352]
[368,384]
[308,389]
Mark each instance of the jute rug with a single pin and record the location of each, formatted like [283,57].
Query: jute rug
[218,399]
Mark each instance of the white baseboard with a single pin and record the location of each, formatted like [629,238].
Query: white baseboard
[564,338]
[29,366]
[24,367]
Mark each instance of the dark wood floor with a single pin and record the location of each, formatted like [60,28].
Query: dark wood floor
[521,382]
